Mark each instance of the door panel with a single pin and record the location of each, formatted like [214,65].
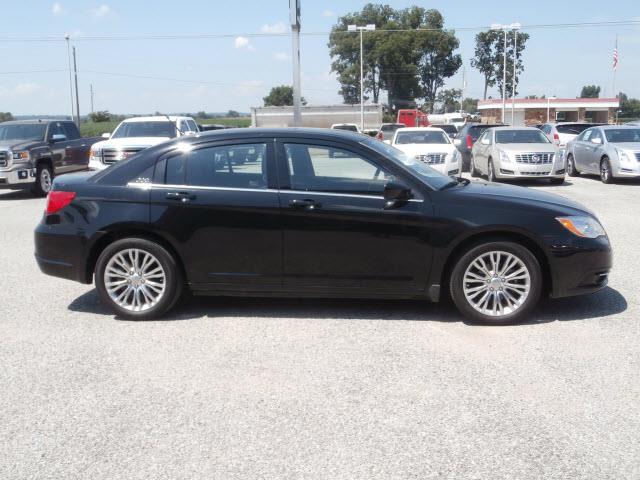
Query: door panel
[343,239]
[223,217]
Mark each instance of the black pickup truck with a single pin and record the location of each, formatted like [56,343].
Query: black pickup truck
[32,152]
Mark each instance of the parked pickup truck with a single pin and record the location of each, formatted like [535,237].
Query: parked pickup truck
[136,134]
[32,152]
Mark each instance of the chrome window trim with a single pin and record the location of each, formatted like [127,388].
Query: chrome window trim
[148,186]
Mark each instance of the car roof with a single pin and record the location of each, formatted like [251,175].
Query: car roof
[502,128]
[34,121]
[267,132]
[421,129]
[156,118]
[616,127]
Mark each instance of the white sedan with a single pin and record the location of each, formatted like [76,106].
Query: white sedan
[429,145]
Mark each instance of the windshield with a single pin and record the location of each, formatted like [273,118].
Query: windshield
[145,129]
[521,136]
[23,131]
[392,127]
[623,135]
[573,128]
[423,171]
[422,137]
[351,128]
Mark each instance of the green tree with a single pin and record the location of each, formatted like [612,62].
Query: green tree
[5,116]
[232,114]
[280,96]
[629,107]
[470,105]
[590,91]
[489,59]
[100,116]
[449,99]
[438,60]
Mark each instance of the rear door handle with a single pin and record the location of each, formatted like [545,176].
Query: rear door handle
[180,196]
[305,204]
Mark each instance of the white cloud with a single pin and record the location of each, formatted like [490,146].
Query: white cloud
[102,11]
[275,28]
[328,13]
[57,9]
[243,42]
[281,56]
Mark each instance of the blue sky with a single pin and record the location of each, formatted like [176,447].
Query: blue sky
[235,73]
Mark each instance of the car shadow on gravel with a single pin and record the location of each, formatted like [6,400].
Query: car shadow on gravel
[601,304]
[8,195]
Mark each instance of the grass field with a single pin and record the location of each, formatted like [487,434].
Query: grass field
[91,129]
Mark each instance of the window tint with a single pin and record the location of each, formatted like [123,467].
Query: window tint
[71,131]
[475,132]
[328,169]
[175,170]
[184,127]
[520,136]
[231,166]
[56,129]
[573,128]
[145,129]
[421,137]
[546,129]
[595,134]
[192,125]
[585,136]
[623,135]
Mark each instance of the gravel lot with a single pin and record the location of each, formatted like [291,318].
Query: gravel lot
[234,388]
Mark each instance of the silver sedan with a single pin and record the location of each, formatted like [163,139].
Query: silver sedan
[510,152]
[610,151]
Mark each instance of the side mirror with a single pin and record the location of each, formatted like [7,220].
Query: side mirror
[106,135]
[485,141]
[457,142]
[396,194]
[58,137]
[596,140]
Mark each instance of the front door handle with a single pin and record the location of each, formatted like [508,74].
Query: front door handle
[305,204]
[183,197]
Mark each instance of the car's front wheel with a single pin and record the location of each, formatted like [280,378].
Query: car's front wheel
[497,282]
[605,171]
[44,179]
[572,171]
[491,173]
[472,168]
[138,278]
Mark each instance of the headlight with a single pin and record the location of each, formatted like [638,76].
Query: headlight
[504,157]
[622,156]
[21,156]
[582,226]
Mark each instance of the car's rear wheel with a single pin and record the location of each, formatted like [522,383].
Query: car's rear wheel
[472,168]
[605,171]
[44,179]
[497,282]
[572,171]
[138,278]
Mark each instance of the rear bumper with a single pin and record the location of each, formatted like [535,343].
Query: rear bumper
[580,266]
[17,178]
[60,255]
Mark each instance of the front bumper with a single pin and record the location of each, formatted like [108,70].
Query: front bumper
[524,170]
[447,168]
[579,265]
[96,165]
[627,170]
[17,177]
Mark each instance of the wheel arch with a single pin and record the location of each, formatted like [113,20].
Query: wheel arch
[477,238]
[107,239]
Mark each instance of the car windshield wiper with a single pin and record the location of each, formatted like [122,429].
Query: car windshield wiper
[453,183]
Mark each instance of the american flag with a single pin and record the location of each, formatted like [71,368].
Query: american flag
[615,58]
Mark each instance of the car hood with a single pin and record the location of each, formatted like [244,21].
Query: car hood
[527,147]
[523,195]
[129,142]
[422,149]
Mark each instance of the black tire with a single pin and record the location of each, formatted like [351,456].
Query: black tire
[556,181]
[572,171]
[491,172]
[456,284]
[605,171]
[174,283]
[472,169]
[42,187]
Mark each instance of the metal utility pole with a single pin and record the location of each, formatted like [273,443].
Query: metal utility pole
[353,28]
[464,86]
[294,15]
[66,37]
[515,27]
[505,29]
[91,92]
[75,72]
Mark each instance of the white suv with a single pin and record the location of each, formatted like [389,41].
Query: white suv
[136,134]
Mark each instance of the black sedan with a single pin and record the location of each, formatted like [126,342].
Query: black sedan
[313,213]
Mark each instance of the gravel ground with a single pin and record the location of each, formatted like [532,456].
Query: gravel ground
[273,389]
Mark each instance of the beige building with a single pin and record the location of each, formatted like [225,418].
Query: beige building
[531,111]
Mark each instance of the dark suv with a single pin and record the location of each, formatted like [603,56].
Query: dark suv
[466,137]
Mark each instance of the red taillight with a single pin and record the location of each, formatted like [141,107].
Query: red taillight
[57,200]
[556,137]
[469,141]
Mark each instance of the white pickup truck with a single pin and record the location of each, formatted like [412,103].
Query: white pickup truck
[135,134]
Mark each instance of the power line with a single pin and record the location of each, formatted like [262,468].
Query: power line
[60,38]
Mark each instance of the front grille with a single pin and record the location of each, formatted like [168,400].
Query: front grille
[113,155]
[534,158]
[536,174]
[4,159]
[637,156]
[432,158]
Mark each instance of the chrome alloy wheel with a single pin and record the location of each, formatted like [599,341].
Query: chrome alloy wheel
[45,180]
[497,283]
[135,279]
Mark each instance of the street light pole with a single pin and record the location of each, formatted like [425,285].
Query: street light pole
[75,72]
[505,29]
[353,28]
[66,37]
[294,17]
